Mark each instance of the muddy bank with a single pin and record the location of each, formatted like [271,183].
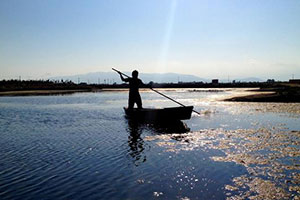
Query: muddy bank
[282,93]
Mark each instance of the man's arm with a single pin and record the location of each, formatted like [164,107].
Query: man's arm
[142,84]
[124,79]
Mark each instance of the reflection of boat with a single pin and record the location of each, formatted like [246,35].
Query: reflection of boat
[157,115]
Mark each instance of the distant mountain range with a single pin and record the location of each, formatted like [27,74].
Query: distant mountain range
[250,79]
[113,77]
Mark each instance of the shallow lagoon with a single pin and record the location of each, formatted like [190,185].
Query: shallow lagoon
[81,146]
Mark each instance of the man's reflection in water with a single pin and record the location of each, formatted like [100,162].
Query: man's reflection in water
[136,143]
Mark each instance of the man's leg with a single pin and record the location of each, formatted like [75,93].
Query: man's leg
[130,102]
[138,101]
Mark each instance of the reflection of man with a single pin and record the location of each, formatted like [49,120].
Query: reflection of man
[136,143]
[134,84]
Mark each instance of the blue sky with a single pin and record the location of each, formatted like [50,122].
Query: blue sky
[210,39]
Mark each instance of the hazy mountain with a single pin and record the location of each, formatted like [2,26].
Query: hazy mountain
[247,79]
[111,77]
[250,79]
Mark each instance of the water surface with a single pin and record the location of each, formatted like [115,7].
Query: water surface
[81,146]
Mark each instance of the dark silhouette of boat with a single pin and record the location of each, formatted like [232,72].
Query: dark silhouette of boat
[163,119]
[159,115]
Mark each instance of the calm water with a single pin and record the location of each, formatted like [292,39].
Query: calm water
[81,146]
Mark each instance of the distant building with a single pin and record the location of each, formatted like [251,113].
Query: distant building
[215,81]
[270,81]
[297,81]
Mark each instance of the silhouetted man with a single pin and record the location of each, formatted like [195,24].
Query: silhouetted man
[134,84]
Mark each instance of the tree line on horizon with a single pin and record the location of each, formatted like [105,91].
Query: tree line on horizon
[10,85]
[15,84]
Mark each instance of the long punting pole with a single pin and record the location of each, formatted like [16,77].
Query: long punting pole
[158,92]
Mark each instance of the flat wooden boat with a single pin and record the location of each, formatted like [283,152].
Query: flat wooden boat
[160,114]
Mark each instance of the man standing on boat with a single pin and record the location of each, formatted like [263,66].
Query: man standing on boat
[134,84]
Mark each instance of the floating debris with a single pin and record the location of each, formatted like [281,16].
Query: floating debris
[270,155]
[185,198]
[140,181]
[157,194]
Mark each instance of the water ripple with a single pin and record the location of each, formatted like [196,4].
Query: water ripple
[81,147]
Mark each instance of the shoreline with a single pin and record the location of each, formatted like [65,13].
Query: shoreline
[40,92]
